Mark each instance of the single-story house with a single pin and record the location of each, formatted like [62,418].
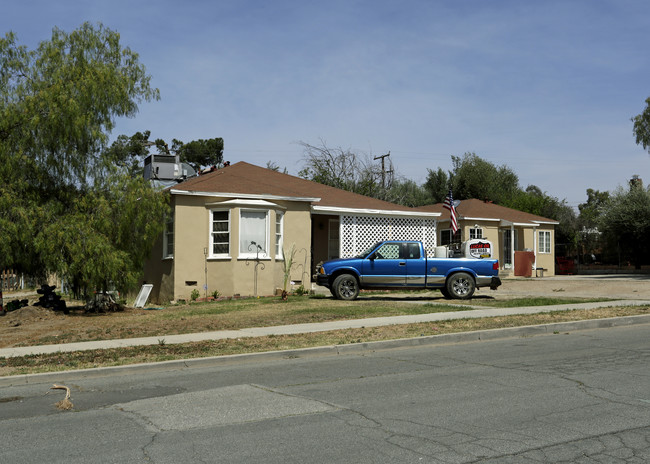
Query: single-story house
[524,243]
[231,231]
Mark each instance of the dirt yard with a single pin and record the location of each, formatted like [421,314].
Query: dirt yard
[31,325]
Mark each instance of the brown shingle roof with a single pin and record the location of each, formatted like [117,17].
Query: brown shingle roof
[247,179]
[477,209]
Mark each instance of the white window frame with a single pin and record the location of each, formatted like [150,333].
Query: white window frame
[544,243]
[168,237]
[212,254]
[475,233]
[279,234]
[246,254]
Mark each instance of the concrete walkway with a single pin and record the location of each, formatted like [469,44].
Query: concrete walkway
[308,328]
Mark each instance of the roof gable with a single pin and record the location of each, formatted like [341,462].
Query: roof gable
[476,209]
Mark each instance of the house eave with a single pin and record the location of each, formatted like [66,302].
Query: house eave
[507,223]
[370,212]
[468,218]
[248,196]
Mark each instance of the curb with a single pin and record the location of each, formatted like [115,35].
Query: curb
[331,350]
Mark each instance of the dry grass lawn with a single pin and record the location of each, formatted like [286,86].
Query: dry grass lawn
[33,326]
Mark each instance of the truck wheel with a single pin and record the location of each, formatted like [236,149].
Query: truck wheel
[461,286]
[345,287]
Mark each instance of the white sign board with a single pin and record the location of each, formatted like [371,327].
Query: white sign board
[143,296]
[479,249]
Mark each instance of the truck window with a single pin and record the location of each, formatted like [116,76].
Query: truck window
[388,251]
[412,251]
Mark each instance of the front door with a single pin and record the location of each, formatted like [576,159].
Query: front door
[507,246]
[333,239]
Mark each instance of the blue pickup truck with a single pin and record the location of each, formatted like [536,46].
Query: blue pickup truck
[404,265]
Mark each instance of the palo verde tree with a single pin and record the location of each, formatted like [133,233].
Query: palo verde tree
[65,207]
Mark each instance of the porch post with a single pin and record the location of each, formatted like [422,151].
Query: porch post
[535,248]
[512,247]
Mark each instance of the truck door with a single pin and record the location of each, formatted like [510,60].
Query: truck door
[416,265]
[385,267]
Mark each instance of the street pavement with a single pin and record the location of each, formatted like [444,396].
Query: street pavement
[578,397]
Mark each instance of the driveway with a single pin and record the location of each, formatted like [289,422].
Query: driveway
[615,286]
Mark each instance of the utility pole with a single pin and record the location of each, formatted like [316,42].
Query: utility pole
[383,168]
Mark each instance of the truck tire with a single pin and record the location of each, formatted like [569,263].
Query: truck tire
[345,287]
[461,286]
[445,293]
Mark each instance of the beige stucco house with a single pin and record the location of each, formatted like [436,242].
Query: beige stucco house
[229,227]
[525,243]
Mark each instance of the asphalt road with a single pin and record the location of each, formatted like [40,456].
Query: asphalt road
[577,397]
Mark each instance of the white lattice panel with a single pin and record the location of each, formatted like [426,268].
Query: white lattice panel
[360,232]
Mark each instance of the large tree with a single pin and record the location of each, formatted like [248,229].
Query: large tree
[625,224]
[589,216]
[200,153]
[474,177]
[129,152]
[438,185]
[65,207]
[642,126]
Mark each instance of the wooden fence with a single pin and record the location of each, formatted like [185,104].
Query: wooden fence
[10,280]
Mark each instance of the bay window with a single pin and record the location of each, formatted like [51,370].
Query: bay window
[253,233]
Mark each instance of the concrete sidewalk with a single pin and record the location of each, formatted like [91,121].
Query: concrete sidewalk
[307,328]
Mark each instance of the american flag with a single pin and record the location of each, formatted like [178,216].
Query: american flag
[449,204]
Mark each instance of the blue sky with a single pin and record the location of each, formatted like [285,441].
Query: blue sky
[546,87]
